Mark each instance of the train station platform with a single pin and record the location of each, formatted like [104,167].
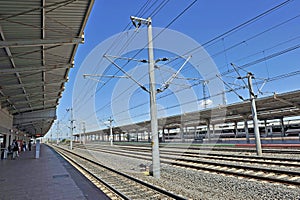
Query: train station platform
[47,177]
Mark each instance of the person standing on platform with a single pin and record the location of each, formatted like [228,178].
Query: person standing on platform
[29,145]
[15,148]
[24,146]
[2,150]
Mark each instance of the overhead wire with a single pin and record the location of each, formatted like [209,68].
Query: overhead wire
[122,49]
[163,30]
[264,58]
[279,77]
[160,6]
[174,19]
[158,9]
[256,61]
[252,20]
[252,37]
[142,9]
[116,41]
[242,25]
[245,40]
[231,31]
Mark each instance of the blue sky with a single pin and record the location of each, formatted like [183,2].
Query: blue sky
[267,37]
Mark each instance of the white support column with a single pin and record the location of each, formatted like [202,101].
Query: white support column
[153,109]
[186,134]
[163,134]
[208,129]
[182,132]
[37,149]
[149,136]
[246,130]
[7,140]
[152,94]
[254,115]
[282,127]
[168,134]
[266,127]
[236,129]
[102,136]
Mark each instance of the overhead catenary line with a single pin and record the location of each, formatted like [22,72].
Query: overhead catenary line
[180,14]
[222,36]
[265,58]
[237,71]
[242,25]
[128,75]
[166,84]
[225,50]
[141,12]
[286,1]
[275,78]
[249,64]
[272,9]
[252,37]
[228,91]
[159,8]
[262,59]
[231,89]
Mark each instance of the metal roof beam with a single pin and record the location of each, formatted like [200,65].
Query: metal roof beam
[12,61]
[31,95]
[16,86]
[41,42]
[22,102]
[30,117]
[22,110]
[43,47]
[6,99]
[34,69]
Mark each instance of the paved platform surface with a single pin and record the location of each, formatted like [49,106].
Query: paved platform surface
[48,177]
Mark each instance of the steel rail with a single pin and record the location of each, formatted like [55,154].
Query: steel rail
[160,190]
[120,194]
[190,164]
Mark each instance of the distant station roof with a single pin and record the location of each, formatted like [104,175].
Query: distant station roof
[38,42]
[272,107]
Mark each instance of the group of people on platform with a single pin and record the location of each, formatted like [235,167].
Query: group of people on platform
[16,147]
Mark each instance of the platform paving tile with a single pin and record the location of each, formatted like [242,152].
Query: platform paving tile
[27,178]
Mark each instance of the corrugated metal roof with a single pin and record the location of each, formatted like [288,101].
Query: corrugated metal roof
[38,41]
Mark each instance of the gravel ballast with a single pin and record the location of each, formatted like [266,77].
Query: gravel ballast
[195,184]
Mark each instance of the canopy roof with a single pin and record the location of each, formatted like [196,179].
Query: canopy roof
[38,42]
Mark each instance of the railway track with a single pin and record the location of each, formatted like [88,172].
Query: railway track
[216,147]
[224,148]
[119,185]
[276,170]
[276,161]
